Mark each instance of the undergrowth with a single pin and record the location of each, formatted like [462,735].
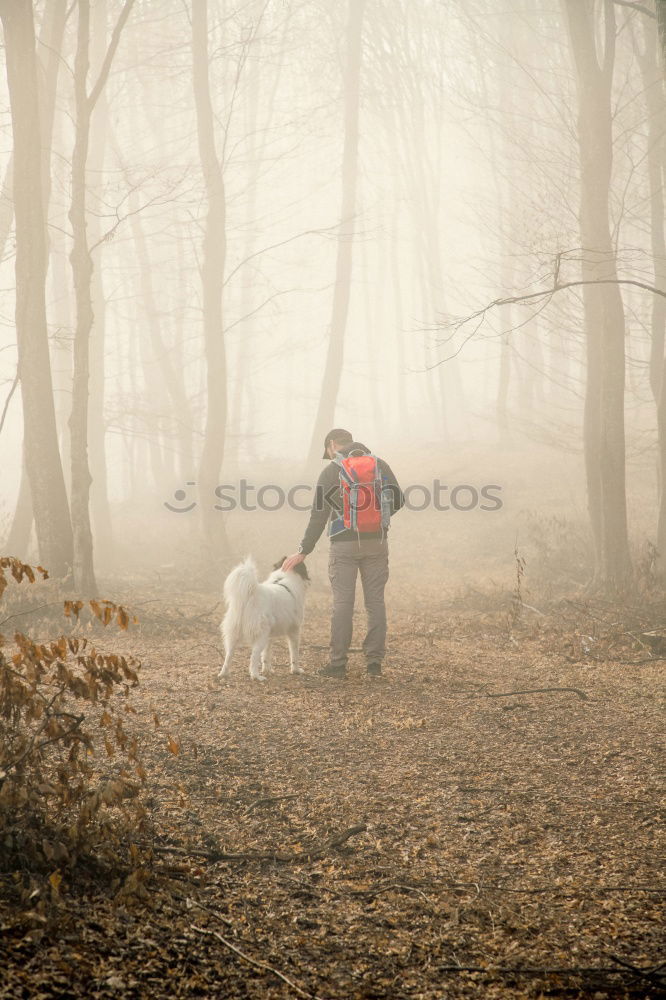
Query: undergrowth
[71,777]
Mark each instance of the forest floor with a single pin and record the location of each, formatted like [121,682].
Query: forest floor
[483,821]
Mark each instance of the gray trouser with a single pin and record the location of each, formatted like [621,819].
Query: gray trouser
[370,556]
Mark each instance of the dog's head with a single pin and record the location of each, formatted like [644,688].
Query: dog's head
[298,568]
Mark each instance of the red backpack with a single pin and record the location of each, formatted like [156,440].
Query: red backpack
[364,508]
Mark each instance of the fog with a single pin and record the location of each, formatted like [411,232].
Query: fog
[438,225]
[332,507]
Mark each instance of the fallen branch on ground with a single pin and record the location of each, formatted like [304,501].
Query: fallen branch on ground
[530,607]
[287,859]
[508,694]
[257,964]
[582,970]
[267,800]
[555,890]
[654,974]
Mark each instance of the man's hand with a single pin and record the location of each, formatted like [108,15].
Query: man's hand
[292,561]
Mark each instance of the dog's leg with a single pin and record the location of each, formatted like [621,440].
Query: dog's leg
[294,641]
[229,648]
[267,659]
[256,657]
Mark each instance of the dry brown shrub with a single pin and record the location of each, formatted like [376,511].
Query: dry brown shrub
[70,774]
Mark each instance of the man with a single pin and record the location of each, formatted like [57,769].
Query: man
[352,551]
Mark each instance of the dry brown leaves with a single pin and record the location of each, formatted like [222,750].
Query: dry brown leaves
[514,837]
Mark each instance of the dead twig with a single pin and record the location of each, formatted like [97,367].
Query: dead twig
[186,852]
[266,801]
[257,964]
[387,888]
[189,619]
[654,974]
[530,607]
[333,843]
[287,859]
[508,694]
[208,909]
[633,663]
[580,970]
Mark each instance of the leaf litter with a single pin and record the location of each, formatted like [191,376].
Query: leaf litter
[482,821]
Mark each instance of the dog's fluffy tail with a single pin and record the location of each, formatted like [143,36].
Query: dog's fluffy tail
[241,584]
[240,588]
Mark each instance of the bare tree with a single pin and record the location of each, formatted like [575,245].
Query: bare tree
[42,457]
[343,271]
[82,272]
[99,130]
[50,46]
[604,431]
[212,281]
[655,102]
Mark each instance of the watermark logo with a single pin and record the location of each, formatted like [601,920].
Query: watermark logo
[180,496]
[270,497]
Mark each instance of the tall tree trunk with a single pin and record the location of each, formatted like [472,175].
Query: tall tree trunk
[394,269]
[374,323]
[333,369]
[604,311]
[241,397]
[212,281]
[185,415]
[82,272]
[49,57]
[171,385]
[655,99]
[99,497]
[153,396]
[44,468]
[18,539]
[50,43]
[61,347]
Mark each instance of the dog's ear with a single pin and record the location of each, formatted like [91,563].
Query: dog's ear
[278,564]
[300,568]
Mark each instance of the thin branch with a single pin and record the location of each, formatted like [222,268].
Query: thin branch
[642,973]
[636,6]
[266,800]
[282,243]
[30,611]
[508,694]
[582,970]
[109,234]
[110,53]
[215,856]
[275,295]
[544,293]
[257,964]
[35,747]
[8,400]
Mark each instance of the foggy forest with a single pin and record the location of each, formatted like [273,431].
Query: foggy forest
[294,292]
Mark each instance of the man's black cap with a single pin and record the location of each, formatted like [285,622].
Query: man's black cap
[337,434]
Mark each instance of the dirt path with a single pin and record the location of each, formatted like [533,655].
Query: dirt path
[498,834]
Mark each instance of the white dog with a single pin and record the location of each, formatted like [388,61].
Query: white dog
[259,612]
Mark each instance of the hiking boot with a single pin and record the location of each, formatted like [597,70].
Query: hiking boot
[333,671]
[374,669]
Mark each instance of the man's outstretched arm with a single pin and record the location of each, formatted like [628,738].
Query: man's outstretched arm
[318,517]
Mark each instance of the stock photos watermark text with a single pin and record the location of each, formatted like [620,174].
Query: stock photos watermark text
[270,497]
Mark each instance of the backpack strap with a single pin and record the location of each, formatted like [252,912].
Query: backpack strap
[344,474]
